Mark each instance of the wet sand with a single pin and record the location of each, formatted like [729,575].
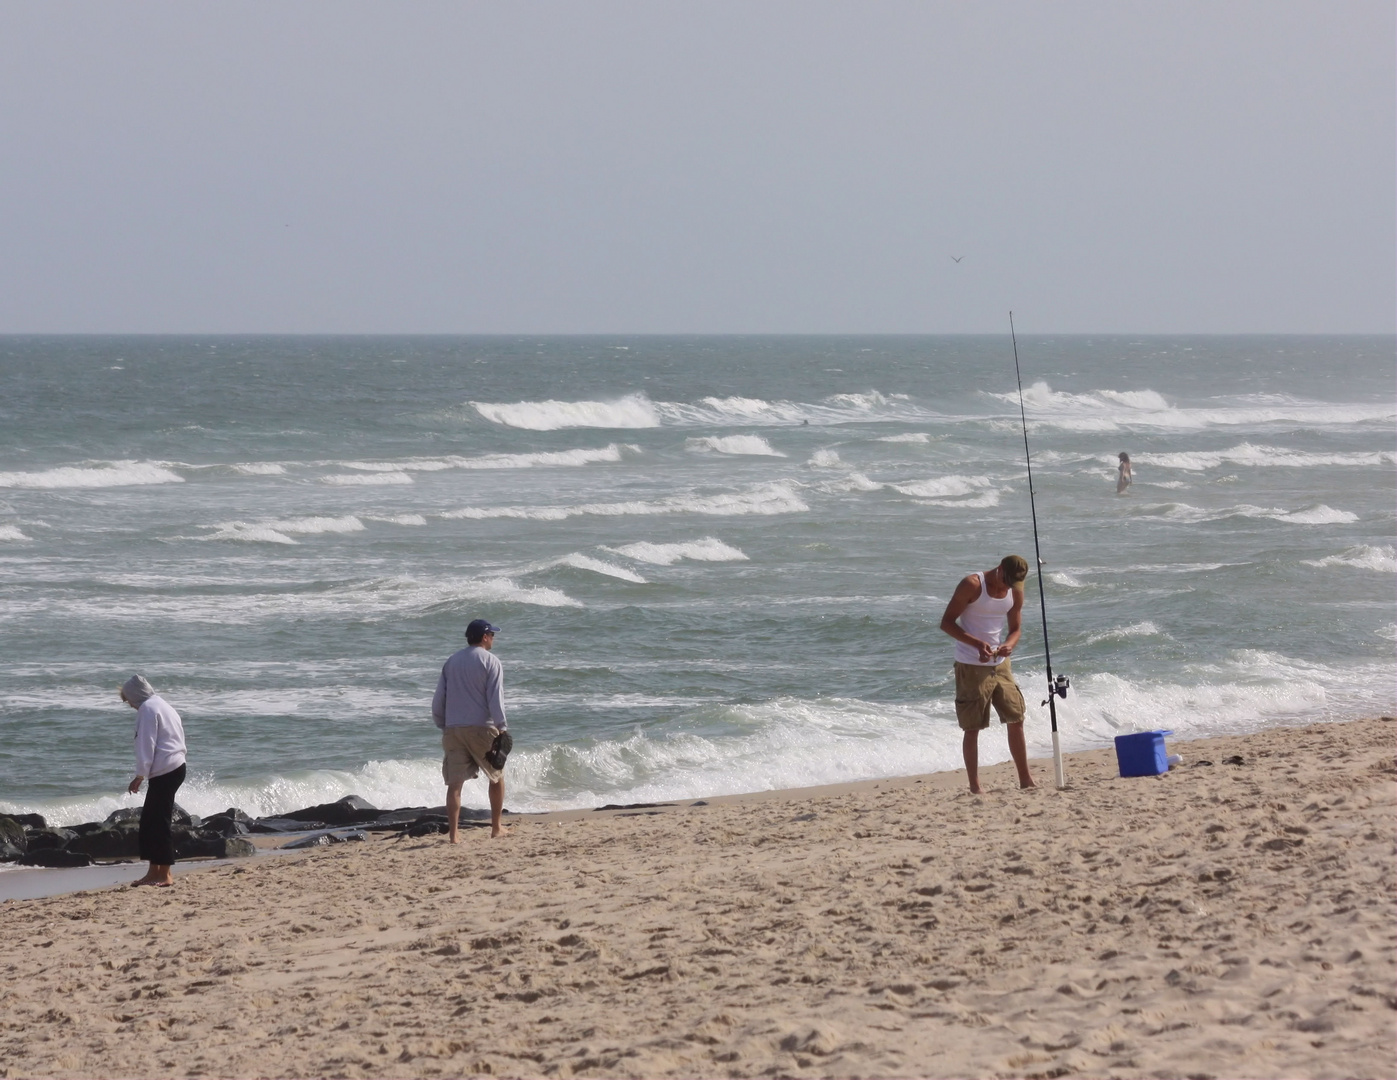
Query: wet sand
[1225,920]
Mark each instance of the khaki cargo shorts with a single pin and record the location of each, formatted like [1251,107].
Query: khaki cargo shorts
[978,687]
[465,749]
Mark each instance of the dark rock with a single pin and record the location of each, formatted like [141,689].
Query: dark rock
[120,841]
[54,839]
[31,821]
[181,816]
[52,857]
[283,825]
[126,813]
[426,828]
[225,825]
[204,844]
[236,814]
[13,841]
[87,827]
[632,806]
[351,810]
[391,819]
[325,839]
[192,844]
[238,847]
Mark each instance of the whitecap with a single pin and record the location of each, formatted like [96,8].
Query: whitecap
[1259,456]
[106,474]
[1120,633]
[401,519]
[907,437]
[708,549]
[748,445]
[631,411]
[772,498]
[1364,557]
[280,532]
[260,468]
[373,479]
[598,566]
[944,487]
[11,532]
[566,458]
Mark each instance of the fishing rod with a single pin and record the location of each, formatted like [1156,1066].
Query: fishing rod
[1056,687]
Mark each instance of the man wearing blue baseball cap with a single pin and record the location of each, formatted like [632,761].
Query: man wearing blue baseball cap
[468,707]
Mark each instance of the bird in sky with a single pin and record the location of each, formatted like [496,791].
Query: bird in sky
[957,258]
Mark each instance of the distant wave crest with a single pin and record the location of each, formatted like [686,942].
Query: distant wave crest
[708,549]
[95,475]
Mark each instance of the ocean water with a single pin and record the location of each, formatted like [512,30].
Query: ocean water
[719,563]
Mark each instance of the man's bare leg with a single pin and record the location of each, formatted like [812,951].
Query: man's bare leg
[453,813]
[970,750]
[1019,751]
[496,807]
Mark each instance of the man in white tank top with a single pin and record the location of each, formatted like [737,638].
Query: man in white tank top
[975,617]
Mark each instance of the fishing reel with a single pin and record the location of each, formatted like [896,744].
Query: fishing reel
[1059,687]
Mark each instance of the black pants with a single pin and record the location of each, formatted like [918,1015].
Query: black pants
[156,844]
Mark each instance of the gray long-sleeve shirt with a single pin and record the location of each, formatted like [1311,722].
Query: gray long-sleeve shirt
[470,692]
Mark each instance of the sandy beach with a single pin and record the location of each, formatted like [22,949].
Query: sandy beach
[1226,920]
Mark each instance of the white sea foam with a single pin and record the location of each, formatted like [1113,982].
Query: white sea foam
[1388,632]
[826,459]
[401,519]
[11,532]
[1109,410]
[373,479]
[631,411]
[1260,456]
[94,475]
[708,549]
[1066,580]
[771,498]
[1318,514]
[1120,633]
[598,566]
[636,410]
[260,468]
[906,437]
[945,487]
[281,532]
[543,458]
[749,445]
[1365,557]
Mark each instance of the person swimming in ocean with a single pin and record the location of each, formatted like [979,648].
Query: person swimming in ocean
[1123,479]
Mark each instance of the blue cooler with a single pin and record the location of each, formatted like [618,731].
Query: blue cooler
[1142,754]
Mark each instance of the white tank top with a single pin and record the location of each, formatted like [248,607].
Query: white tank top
[983,618]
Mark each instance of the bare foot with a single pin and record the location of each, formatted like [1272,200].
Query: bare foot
[1025,787]
[976,789]
[453,839]
[159,883]
[495,834]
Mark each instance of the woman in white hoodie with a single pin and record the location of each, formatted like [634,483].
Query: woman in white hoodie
[159,760]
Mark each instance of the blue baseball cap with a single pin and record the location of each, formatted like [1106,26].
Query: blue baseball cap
[478,628]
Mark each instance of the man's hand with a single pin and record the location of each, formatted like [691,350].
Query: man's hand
[987,653]
[1004,651]
[135,785]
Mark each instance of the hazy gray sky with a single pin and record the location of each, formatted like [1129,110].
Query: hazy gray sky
[798,167]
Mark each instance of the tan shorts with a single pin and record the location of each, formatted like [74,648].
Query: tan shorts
[465,749]
[978,687]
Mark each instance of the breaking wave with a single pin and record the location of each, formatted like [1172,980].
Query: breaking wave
[750,445]
[104,475]
[709,549]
